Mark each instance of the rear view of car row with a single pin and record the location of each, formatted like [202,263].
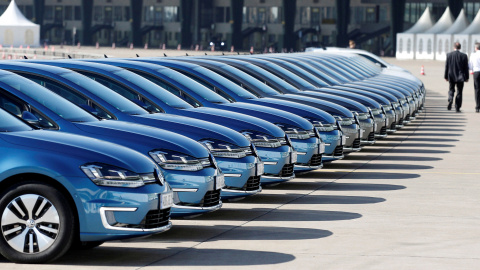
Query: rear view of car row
[106,149]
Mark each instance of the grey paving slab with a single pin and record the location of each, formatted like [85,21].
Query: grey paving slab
[410,201]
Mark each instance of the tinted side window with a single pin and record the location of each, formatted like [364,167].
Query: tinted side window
[72,96]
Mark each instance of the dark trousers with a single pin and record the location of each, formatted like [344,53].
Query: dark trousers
[458,97]
[476,84]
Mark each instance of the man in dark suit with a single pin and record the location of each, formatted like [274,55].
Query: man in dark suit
[456,74]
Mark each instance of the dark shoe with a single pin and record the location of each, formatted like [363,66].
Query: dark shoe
[449,107]
[477,110]
[457,110]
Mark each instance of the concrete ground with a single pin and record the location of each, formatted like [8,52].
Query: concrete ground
[411,201]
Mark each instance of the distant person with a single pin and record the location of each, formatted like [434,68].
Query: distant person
[351,44]
[456,73]
[474,65]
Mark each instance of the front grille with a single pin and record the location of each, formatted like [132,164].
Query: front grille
[371,136]
[287,170]
[393,126]
[400,122]
[383,130]
[156,219]
[253,183]
[338,151]
[356,143]
[316,160]
[407,118]
[211,198]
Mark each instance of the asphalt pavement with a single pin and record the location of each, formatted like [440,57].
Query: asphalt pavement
[411,201]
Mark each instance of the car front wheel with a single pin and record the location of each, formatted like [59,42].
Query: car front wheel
[36,223]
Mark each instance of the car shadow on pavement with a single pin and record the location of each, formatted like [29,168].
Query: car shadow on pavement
[392,158]
[196,233]
[310,199]
[378,166]
[329,185]
[404,151]
[269,214]
[110,256]
[420,140]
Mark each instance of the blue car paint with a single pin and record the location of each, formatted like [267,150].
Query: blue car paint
[305,148]
[139,137]
[281,156]
[351,133]
[39,154]
[211,79]
[242,176]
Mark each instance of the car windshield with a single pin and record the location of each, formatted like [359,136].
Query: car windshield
[47,98]
[152,88]
[106,94]
[290,77]
[236,73]
[332,73]
[224,82]
[10,123]
[250,68]
[194,86]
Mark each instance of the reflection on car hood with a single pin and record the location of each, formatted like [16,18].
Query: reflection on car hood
[143,138]
[193,128]
[85,148]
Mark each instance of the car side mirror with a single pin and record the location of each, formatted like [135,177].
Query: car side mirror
[30,118]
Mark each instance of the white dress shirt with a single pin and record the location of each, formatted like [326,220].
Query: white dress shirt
[474,63]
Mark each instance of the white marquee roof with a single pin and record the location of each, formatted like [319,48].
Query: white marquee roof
[459,25]
[443,23]
[474,27]
[424,23]
[14,17]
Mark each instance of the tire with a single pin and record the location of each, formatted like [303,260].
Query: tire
[37,224]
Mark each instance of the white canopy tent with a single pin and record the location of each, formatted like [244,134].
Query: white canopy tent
[445,39]
[426,41]
[17,30]
[406,41]
[469,36]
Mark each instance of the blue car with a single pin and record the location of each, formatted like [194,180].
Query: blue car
[323,122]
[270,141]
[59,190]
[305,141]
[334,80]
[346,121]
[185,163]
[362,115]
[357,78]
[236,155]
[298,66]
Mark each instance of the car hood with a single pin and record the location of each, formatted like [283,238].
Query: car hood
[233,120]
[193,128]
[345,102]
[143,138]
[329,107]
[269,114]
[371,99]
[296,108]
[362,99]
[85,148]
[362,89]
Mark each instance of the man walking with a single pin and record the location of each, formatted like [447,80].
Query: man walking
[456,73]
[474,65]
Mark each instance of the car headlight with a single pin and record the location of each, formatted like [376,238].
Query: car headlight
[171,160]
[345,121]
[296,133]
[362,116]
[112,176]
[319,126]
[262,140]
[226,150]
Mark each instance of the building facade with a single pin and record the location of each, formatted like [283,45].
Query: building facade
[264,25]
